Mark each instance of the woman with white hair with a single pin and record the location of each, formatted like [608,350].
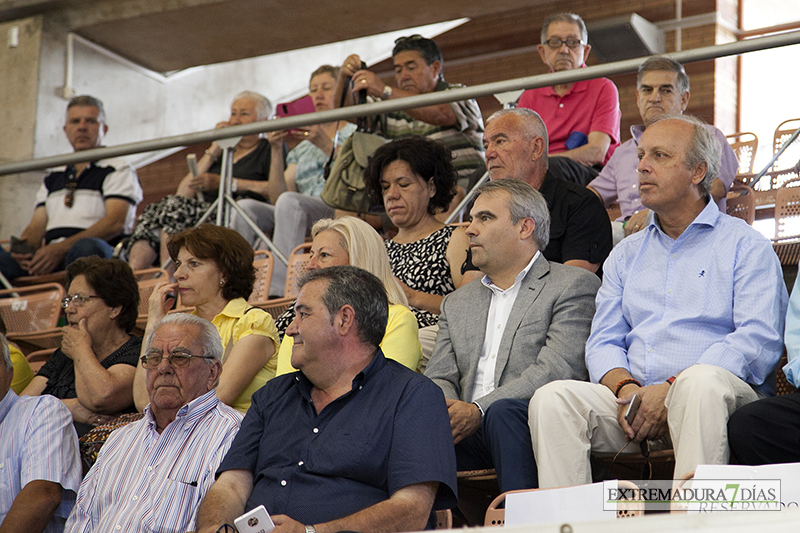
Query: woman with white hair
[175,213]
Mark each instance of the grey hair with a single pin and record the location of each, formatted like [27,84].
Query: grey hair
[262,103]
[6,352]
[363,291]
[91,101]
[571,18]
[210,342]
[523,202]
[532,122]
[664,63]
[703,148]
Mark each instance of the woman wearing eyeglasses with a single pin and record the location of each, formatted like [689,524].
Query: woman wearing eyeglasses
[92,372]
[214,274]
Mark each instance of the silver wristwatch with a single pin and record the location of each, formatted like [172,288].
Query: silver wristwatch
[310,529]
[387,92]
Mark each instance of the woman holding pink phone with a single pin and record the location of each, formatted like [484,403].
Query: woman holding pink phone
[296,184]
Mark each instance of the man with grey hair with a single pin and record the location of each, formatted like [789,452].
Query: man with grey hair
[152,474]
[689,324]
[516,148]
[82,209]
[40,465]
[662,88]
[582,117]
[501,338]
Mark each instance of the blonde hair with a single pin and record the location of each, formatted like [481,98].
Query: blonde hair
[366,251]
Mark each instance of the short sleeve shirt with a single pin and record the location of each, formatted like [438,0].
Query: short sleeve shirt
[391,430]
[590,105]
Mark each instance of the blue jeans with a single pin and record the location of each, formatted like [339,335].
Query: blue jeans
[83,248]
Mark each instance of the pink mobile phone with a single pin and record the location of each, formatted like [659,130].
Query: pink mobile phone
[301,106]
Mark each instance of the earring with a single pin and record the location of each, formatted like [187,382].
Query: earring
[221,283]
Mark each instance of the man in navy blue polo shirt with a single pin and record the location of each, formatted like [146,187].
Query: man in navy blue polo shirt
[352,441]
[81,210]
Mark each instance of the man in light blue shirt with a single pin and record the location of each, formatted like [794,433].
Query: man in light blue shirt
[689,320]
[768,431]
[40,468]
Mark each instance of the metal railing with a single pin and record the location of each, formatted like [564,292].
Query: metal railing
[441,97]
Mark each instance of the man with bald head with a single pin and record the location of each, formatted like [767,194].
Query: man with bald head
[152,474]
[516,148]
[689,320]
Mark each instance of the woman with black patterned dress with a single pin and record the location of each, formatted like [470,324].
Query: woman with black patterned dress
[414,179]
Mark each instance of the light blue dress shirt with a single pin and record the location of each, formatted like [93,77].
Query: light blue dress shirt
[715,296]
[792,336]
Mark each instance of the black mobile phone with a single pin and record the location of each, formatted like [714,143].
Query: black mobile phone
[633,408]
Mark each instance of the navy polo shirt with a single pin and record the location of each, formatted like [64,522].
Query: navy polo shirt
[389,431]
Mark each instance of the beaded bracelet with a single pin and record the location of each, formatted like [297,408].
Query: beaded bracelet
[624,382]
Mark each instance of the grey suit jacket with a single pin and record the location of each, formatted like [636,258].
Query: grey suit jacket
[544,339]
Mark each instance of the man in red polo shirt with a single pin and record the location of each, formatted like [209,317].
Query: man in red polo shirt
[582,118]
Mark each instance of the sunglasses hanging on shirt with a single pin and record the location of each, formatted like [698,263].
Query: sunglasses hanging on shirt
[72,184]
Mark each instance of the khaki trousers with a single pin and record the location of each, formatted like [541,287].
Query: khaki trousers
[570,419]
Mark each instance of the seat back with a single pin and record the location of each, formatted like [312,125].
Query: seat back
[744,145]
[31,309]
[789,159]
[743,207]
[787,209]
[298,260]
[147,279]
[263,265]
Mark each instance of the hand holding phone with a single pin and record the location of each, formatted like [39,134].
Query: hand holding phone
[633,408]
[255,521]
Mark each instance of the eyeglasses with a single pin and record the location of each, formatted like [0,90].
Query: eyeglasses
[555,43]
[176,359]
[78,300]
[71,185]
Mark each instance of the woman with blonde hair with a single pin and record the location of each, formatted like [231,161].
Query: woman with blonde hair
[351,241]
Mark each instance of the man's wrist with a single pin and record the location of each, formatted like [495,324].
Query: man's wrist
[310,528]
[480,409]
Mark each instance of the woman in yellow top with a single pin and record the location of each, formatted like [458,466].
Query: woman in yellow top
[22,370]
[214,274]
[351,241]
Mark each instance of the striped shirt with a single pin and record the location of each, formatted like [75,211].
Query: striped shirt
[714,296]
[146,481]
[37,442]
[464,139]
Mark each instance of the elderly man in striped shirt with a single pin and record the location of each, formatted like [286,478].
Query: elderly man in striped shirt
[151,475]
[40,469]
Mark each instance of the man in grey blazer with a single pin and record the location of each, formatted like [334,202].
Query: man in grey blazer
[500,338]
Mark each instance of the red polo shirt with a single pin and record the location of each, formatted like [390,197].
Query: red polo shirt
[591,105]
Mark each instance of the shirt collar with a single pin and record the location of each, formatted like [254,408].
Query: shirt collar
[233,309]
[577,87]
[636,132]
[709,216]
[487,282]
[189,413]
[7,403]
[363,377]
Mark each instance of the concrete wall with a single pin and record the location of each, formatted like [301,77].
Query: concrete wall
[19,66]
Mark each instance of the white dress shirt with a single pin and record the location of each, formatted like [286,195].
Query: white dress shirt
[499,311]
